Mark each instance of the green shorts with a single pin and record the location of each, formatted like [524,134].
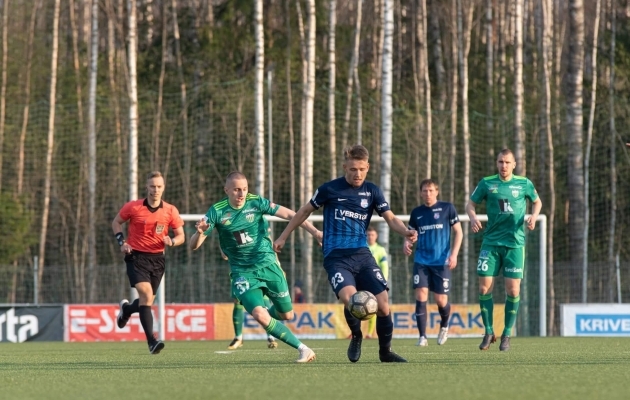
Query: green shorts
[249,287]
[494,258]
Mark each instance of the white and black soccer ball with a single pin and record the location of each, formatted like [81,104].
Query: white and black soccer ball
[363,305]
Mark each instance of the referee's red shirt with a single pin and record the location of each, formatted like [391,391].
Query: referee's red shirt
[146,229]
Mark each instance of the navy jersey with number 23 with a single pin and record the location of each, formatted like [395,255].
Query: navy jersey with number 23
[347,212]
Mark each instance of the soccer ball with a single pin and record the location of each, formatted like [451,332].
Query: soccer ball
[363,305]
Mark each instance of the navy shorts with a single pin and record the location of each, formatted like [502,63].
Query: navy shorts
[437,279]
[145,267]
[357,269]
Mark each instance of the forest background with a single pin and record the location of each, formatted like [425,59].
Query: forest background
[95,93]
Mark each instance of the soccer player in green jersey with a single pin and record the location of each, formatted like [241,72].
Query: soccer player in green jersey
[503,245]
[255,270]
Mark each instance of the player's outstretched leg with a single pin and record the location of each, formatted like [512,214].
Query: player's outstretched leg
[124,312]
[238,314]
[281,332]
[271,341]
[354,349]
[384,330]
[445,313]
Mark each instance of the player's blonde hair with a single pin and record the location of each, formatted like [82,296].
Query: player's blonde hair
[154,174]
[356,152]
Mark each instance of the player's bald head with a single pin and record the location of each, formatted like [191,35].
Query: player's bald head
[234,175]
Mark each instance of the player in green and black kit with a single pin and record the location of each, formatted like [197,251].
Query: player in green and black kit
[503,245]
[255,270]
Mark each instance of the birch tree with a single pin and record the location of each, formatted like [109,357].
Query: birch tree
[423,67]
[92,153]
[133,99]
[50,145]
[332,71]
[613,141]
[3,85]
[575,156]
[454,83]
[587,150]
[519,130]
[157,125]
[351,68]
[386,111]
[464,25]
[489,68]
[259,153]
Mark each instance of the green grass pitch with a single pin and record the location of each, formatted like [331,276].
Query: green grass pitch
[534,368]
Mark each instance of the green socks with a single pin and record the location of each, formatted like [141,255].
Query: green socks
[487,309]
[511,309]
[270,307]
[281,332]
[237,319]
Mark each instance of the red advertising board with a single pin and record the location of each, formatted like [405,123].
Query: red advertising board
[97,322]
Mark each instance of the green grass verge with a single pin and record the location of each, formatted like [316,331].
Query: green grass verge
[535,368]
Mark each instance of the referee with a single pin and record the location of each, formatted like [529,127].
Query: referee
[149,222]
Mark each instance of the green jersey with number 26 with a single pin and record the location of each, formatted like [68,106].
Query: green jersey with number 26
[506,204]
[243,232]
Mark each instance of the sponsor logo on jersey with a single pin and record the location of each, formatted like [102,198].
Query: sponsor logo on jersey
[515,187]
[249,217]
[514,270]
[437,209]
[422,230]
[493,189]
[225,219]
[254,209]
[364,203]
[342,214]
[365,194]
[159,228]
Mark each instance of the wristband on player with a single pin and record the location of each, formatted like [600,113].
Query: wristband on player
[120,238]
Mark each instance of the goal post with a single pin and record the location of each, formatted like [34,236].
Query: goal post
[542,260]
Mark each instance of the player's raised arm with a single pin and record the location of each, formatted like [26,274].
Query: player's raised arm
[288,214]
[298,219]
[198,237]
[399,227]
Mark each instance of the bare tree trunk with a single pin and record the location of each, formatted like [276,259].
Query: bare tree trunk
[76,63]
[259,107]
[92,155]
[157,125]
[357,84]
[50,147]
[544,34]
[292,202]
[187,154]
[587,152]
[454,98]
[3,87]
[464,26]
[423,66]
[519,129]
[133,100]
[113,97]
[575,156]
[613,159]
[332,71]
[304,51]
[489,73]
[308,155]
[386,111]
[27,96]
[353,62]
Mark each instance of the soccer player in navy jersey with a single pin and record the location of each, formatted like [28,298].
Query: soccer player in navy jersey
[436,255]
[348,204]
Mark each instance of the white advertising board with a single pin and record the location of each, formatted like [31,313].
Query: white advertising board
[595,319]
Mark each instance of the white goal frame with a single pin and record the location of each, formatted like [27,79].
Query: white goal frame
[542,254]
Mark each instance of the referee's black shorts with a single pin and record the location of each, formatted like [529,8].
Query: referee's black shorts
[145,267]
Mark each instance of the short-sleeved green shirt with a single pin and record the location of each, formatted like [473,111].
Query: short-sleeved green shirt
[506,204]
[243,232]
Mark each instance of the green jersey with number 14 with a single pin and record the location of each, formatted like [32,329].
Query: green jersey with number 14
[506,204]
[243,232]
